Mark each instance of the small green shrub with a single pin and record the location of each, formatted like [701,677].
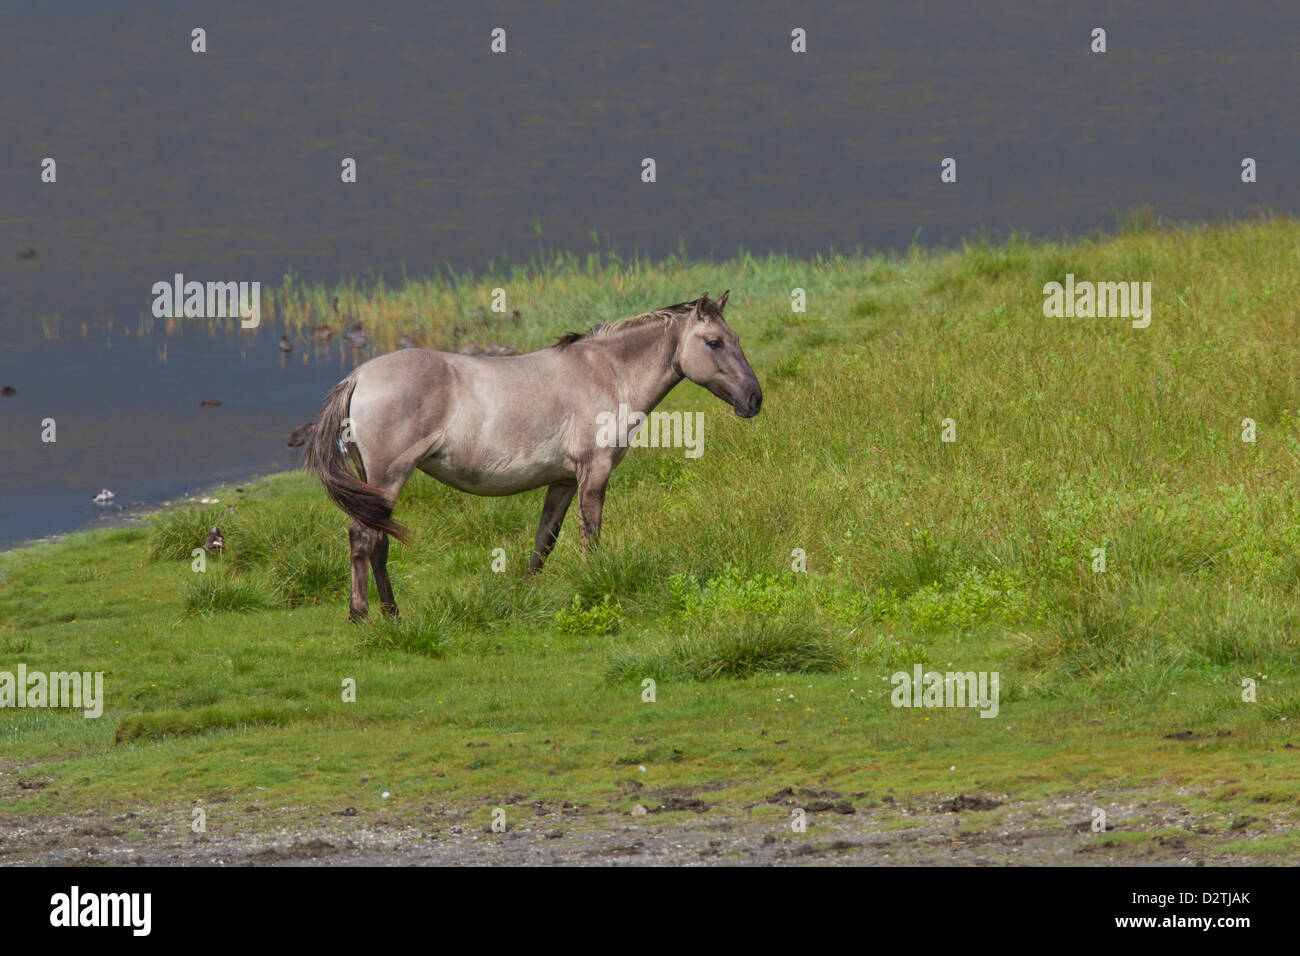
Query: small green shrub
[968,597]
[735,592]
[601,618]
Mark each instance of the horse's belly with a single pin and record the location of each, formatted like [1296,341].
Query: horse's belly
[494,475]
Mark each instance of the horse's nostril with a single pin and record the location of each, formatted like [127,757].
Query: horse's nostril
[755,400]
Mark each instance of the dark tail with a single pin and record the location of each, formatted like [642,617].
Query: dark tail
[327,461]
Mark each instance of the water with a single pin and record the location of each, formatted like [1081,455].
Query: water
[128,418]
[225,166]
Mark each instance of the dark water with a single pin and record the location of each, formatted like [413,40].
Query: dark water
[127,418]
[225,166]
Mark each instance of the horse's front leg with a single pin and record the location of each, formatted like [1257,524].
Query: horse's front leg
[591,501]
[554,508]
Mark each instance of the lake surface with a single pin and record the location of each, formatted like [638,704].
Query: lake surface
[225,166]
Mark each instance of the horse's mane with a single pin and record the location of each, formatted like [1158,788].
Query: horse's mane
[601,329]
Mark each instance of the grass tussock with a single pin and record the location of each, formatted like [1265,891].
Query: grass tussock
[214,593]
[176,532]
[424,632]
[159,725]
[738,649]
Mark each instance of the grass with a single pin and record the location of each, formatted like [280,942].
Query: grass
[1074,437]
[738,649]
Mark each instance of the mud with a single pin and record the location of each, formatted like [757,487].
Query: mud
[965,829]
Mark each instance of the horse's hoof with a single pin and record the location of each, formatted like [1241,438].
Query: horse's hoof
[356,617]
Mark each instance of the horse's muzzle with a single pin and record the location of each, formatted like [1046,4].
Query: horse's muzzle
[750,407]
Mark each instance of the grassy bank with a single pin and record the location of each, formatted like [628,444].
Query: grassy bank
[1072,435]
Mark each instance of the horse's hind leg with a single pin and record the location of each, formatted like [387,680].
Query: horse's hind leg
[379,565]
[363,540]
[386,472]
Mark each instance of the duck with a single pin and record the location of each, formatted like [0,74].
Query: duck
[214,541]
[103,497]
[210,403]
[471,349]
[29,254]
[8,390]
[285,344]
[299,435]
[355,336]
[322,333]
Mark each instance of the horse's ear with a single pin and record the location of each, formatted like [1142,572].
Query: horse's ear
[700,303]
[721,303]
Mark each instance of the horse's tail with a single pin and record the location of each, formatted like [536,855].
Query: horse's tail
[326,460]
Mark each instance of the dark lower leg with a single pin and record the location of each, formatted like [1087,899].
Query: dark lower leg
[379,565]
[591,502]
[548,530]
[361,540]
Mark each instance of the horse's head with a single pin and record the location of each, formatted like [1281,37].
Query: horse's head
[709,354]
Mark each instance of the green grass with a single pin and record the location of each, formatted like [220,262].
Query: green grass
[739,649]
[1072,435]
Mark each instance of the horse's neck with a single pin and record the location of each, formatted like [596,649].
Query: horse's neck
[644,363]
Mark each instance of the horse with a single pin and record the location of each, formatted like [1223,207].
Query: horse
[506,424]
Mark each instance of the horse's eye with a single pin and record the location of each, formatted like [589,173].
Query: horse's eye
[715,343]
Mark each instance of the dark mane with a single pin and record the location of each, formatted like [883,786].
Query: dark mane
[667,313]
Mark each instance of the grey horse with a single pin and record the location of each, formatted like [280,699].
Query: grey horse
[500,425]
